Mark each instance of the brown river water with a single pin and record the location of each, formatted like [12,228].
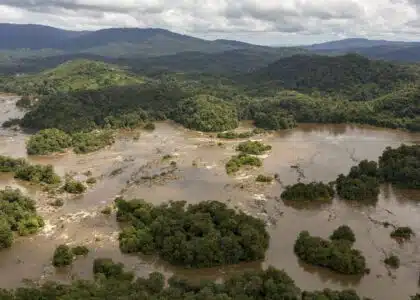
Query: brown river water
[321,151]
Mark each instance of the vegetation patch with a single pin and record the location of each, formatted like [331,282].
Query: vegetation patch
[74,187]
[402,233]
[62,257]
[85,142]
[231,135]
[314,191]
[206,113]
[149,126]
[336,255]
[80,250]
[237,161]
[401,166]
[253,147]
[361,183]
[274,121]
[343,233]
[48,141]
[201,235]
[264,178]
[393,261]
[24,171]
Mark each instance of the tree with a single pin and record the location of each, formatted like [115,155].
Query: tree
[63,256]
[6,234]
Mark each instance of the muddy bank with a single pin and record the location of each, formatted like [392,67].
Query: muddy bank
[134,167]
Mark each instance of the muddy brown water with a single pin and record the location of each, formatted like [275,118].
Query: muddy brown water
[321,152]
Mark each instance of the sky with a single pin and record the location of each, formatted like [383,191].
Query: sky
[268,22]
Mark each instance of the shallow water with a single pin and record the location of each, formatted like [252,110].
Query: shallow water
[321,152]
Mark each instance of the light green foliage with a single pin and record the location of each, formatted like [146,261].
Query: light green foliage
[48,141]
[314,191]
[63,256]
[74,187]
[253,147]
[92,141]
[336,255]
[230,135]
[201,235]
[17,213]
[236,162]
[206,113]
[264,178]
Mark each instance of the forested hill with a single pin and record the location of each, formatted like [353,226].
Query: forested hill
[350,76]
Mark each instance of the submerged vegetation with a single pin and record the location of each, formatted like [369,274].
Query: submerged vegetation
[231,135]
[24,171]
[336,255]
[17,214]
[237,161]
[253,147]
[314,191]
[402,233]
[201,235]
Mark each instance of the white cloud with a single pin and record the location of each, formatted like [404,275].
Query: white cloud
[269,21]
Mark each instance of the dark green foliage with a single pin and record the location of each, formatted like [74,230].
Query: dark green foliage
[415,297]
[361,183]
[336,255]
[109,269]
[328,294]
[345,233]
[274,120]
[74,187]
[6,233]
[236,162]
[401,166]
[63,256]
[349,76]
[264,178]
[17,213]
[314,191]
[149,126]
[91,141]
[392,261]
[402,233]
[253,147]
[24,102]
[202,235]
[11,122]
[91,180]
[80,250]
[206,113]
[48,141]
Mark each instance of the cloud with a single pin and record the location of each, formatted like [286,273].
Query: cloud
[290,21]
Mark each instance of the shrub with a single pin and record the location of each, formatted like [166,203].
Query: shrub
[314,191]
[74,187]
[108,268]
[11,122]
[85,142]
[149,126]
[236,162]
[17,213]
[107,210]
[392,261]
[264,178]
[335,255]
[201,235]
[48,141]
[402,233]
[80,250]
[57,203]
[91,180]
[345,233]
[250,147]
[63,256]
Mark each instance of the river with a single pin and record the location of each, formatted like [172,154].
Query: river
[321,152]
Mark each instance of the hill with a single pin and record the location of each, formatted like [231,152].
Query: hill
[350,76]
[73,75]
[352,43]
